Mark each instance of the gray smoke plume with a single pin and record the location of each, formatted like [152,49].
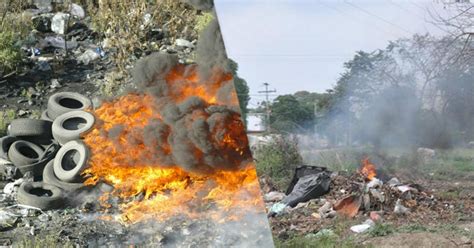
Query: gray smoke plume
[191,132]
[211,51]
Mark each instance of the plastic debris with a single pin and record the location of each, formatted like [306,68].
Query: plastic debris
[273,196]
[7,219]
[88,56]
[184,43]
[393,182]
[277,209]
[77,11]
[375,182]
[400,209]
[9,188]
[59,22]
[363,227]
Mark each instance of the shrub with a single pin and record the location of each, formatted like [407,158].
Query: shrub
[277,159]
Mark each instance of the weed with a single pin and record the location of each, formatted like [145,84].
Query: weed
[6,117]
[325,241]
[381,229]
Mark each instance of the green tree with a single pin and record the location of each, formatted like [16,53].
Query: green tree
[242,90]
[290,115]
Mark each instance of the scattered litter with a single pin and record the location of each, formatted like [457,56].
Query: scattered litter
[376,216]
[393,182]
[59,23]
[277,209]
[349,205]
[7,219]
[77,11]
[9,188]
[363,227]
[399,208]
[88,56]
[184,43]
[375,182]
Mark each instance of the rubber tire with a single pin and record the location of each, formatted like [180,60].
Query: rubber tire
[30,128]
[45,116]
[50,178]
[18,159]
[37,168]
[63,135]
[55,108]
[73,175]
[25,197]
[5,143]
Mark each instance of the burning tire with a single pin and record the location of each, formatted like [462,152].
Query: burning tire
[30,128]
[70,161]
[71,125]
[24,153]
[64,102]
[5,143]
[40,195]
[45,116]
[50,178]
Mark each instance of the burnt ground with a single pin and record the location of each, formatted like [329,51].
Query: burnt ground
[448,223]
[73,228]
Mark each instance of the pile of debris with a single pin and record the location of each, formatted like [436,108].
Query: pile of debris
[44,159]
[316,195]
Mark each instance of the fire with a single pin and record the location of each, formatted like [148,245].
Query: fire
[368,169]
[142,169]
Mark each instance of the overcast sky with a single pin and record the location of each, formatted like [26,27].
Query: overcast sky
[301,45]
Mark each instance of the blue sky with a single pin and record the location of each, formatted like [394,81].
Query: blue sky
[301,45]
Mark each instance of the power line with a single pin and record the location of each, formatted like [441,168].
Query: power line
[267,104]
[345,14]
[378,17]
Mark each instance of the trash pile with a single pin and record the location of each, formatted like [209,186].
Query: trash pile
[44,159]
[316,195]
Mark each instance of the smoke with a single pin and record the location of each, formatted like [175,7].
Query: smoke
[211,51]
[199,128]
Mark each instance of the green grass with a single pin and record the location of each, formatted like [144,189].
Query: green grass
[325,241]
[381,229]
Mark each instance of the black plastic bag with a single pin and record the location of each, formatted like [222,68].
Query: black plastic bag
[309,182]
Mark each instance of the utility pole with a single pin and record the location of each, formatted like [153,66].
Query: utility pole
[267,104]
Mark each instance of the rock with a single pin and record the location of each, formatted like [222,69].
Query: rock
[273,196]
[77,11]
[59,22]
[316,216]
[184,43]
[88,56]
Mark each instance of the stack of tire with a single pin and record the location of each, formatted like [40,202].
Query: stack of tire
[50,151]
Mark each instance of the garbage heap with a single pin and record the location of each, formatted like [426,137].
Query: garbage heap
[316,196]
[43,159]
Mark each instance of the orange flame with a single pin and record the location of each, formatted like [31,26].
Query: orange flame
[125,161]
[368,169]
